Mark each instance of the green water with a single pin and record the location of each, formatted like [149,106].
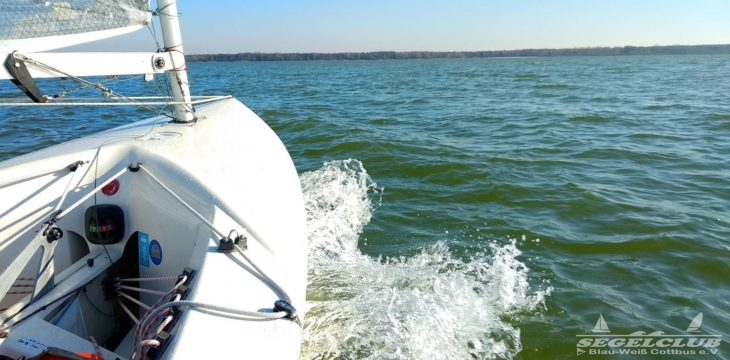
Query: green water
[493,208]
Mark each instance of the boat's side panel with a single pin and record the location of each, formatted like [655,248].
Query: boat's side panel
[231,169]
[257,180]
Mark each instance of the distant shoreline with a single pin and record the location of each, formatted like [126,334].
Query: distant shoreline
[391,55]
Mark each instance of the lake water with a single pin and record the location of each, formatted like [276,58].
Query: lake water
[489,208]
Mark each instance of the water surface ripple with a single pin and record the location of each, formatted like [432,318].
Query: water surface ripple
[490,208]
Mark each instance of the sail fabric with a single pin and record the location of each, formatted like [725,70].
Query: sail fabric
[32,19]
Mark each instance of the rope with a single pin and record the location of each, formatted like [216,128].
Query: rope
[163,324]
[282,294]
[129,312]
[183,203]
[159,11]
[158,278]
[153,32]
[126,296]
[97,349]
[40,174]
[141,332]
[65,192]
[147,343]
[158,309]
[270,282]
[217,311]
[220,203]
[143,290]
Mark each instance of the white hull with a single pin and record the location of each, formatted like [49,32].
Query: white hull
[229,167]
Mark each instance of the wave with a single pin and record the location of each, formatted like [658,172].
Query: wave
[553,86]
[591,119]
[431,305]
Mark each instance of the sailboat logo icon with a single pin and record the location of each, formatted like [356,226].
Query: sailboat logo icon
[601,326]
[602,342]
[694,326]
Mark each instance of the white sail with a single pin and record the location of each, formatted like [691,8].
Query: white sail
[30,27]
[33,25]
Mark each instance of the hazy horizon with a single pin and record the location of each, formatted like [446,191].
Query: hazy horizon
[454,51]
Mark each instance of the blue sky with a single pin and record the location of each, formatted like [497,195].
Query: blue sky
[232,26]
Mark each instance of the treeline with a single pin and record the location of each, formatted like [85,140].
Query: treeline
[385,55]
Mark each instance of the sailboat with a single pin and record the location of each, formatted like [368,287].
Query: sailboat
[694,326]
[181,236]
[601,326]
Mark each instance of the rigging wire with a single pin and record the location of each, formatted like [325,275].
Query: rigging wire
[153,32]
[104,90]
[66,91]
[159,11]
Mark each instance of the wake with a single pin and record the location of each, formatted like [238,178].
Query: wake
[433,305]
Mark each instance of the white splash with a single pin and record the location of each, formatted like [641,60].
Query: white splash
[429,306]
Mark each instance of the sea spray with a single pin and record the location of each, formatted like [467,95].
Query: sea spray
[431,305]
[339,199]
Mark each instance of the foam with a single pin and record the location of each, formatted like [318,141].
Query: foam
[432,305]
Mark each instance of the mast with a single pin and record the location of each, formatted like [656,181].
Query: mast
[178,76]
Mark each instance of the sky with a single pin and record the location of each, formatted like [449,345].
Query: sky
[233,26]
